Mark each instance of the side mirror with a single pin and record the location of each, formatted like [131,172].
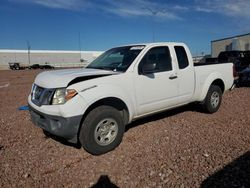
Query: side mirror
[148,68]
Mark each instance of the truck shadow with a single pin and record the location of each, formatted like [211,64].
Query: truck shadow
[104,182]
[235,174]
[243,85]
[165,114]
[61,140]
[155,117]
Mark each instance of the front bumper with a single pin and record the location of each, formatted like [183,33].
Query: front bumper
[66,128]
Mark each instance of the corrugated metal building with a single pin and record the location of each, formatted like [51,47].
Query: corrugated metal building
[240,42]
[54,58]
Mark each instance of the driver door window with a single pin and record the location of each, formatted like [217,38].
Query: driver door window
[160,56]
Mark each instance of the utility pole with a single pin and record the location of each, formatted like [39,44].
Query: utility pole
[154,14]
[15,56]
[29,47]
[80,47]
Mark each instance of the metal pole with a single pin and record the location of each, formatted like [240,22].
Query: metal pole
[80,48]
[15,56]
[28,46]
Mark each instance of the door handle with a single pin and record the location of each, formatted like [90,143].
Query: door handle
[173,77]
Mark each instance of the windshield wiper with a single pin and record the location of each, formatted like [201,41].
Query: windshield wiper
[102,68]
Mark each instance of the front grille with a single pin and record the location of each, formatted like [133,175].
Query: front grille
[41,96]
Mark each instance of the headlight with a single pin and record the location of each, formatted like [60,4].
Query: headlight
[62,95]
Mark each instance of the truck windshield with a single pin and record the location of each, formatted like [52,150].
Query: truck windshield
[116,59]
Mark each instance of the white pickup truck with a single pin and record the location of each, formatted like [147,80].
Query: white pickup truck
[93,105]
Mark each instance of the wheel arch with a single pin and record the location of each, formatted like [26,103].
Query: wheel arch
[115,102]
[219,82]
[213,79]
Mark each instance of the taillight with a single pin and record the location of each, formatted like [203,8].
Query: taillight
[235,73]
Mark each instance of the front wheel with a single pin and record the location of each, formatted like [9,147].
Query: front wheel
[102,130]
[213,99]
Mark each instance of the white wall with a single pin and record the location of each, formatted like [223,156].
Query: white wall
[54,58]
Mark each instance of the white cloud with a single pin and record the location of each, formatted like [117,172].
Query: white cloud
[64,4]
[128,8]
[201,9]
[232,8]
[58,4]
[124,8]
[183,8]
[238,8]
[147,8]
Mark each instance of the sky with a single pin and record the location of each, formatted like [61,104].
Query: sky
[102,24]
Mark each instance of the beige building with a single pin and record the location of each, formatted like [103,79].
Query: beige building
[240,42]
[42,57]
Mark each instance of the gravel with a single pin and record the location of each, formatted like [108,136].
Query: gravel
[178,148]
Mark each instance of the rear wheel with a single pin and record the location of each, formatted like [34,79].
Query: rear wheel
[213,99]
[102,130]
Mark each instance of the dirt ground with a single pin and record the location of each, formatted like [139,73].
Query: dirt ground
[178,148]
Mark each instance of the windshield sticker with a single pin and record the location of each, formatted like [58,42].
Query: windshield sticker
[137,47]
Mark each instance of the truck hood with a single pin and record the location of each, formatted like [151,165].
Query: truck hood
[63,78]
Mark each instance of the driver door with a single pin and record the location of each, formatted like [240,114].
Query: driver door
[156,89]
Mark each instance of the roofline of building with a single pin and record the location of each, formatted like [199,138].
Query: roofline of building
[230,37]
[46,51]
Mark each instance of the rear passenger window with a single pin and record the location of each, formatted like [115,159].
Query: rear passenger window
[160,56]
[181,57]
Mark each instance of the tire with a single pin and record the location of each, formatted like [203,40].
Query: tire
[213,99]
[102,130]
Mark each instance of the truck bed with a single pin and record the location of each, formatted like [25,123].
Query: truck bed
[206,73]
